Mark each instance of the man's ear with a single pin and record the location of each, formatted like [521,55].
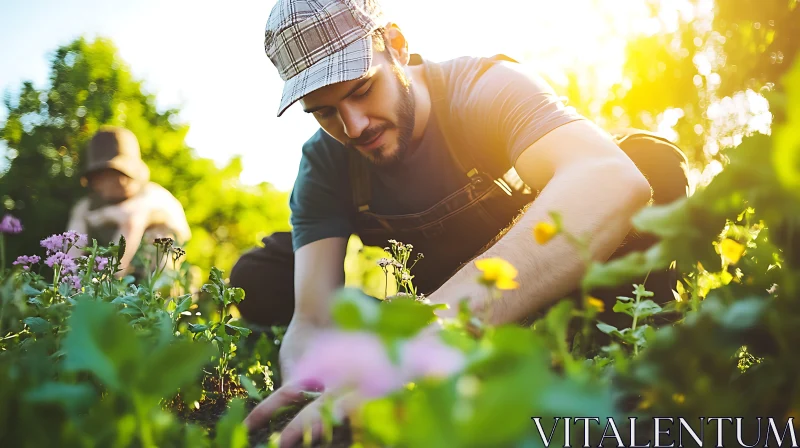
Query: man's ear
[398,45]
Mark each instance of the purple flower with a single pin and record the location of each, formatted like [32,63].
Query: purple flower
[25,259]
[72,280]
[74,238]
[53,244]
[10,224]
[101,263]
[68,265]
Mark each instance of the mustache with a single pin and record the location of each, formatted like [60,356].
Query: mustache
[369,134]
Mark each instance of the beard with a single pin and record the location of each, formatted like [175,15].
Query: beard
[405,111]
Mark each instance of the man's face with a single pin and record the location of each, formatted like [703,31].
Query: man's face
[374,114]
[112,185]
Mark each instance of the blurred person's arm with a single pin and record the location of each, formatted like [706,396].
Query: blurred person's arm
[132,217]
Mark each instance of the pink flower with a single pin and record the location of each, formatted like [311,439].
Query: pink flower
[349,360]
[360,361]
[427,356]
[10,224]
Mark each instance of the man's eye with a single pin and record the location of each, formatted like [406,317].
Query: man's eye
[324,113]
[366,93]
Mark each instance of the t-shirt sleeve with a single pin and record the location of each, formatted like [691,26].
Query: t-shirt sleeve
[508,107]
[319,199]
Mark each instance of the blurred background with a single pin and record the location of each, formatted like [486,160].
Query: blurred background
[191,80]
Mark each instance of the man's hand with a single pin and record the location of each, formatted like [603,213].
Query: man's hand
[294,392]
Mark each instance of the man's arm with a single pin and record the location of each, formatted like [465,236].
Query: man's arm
[318,273]
[584,176]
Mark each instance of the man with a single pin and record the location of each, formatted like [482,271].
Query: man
[416,151]
[121,199]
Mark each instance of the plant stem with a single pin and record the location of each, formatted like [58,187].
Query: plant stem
[635,319]
[2,254]
[56,276]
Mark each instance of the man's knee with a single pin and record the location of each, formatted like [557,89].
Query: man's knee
[266,275]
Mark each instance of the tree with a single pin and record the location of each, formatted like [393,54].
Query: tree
[47,132]
[699,71]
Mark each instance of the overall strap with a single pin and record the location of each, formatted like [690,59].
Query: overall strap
[440,105]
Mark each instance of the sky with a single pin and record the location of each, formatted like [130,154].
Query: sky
[208,57]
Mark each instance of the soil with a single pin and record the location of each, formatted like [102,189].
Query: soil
[342,438]
[215,403]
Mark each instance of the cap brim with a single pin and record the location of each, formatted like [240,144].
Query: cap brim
[351,62]
[133,168]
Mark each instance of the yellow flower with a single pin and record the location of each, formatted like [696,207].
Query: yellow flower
[596,303]
[497,272]
[731,250]
[678,398]
[544,232]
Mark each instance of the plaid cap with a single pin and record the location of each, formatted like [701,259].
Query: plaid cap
[316,43]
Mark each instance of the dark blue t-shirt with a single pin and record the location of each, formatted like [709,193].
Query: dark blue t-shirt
[500,107]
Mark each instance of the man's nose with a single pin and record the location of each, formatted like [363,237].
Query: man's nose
[354,121]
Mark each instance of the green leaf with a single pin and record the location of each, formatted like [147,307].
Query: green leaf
[647,308]
[403,318]
[101,341]
[197,328]
[75,398]
[625,269]
[242,331]
[667,221]
[353,310]
[133,301]
[184,303]
[37,325]
[195,437]
[250,387]
[624,307]
[29,290]
[230,430]
[558,318]
[123,244]
[743,314]
[216,277]
[172,366]
[607,329]
[237,294]
[64,289]
[380,419]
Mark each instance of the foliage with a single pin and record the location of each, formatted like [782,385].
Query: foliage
[47,132]
[100,361]
[97,360]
